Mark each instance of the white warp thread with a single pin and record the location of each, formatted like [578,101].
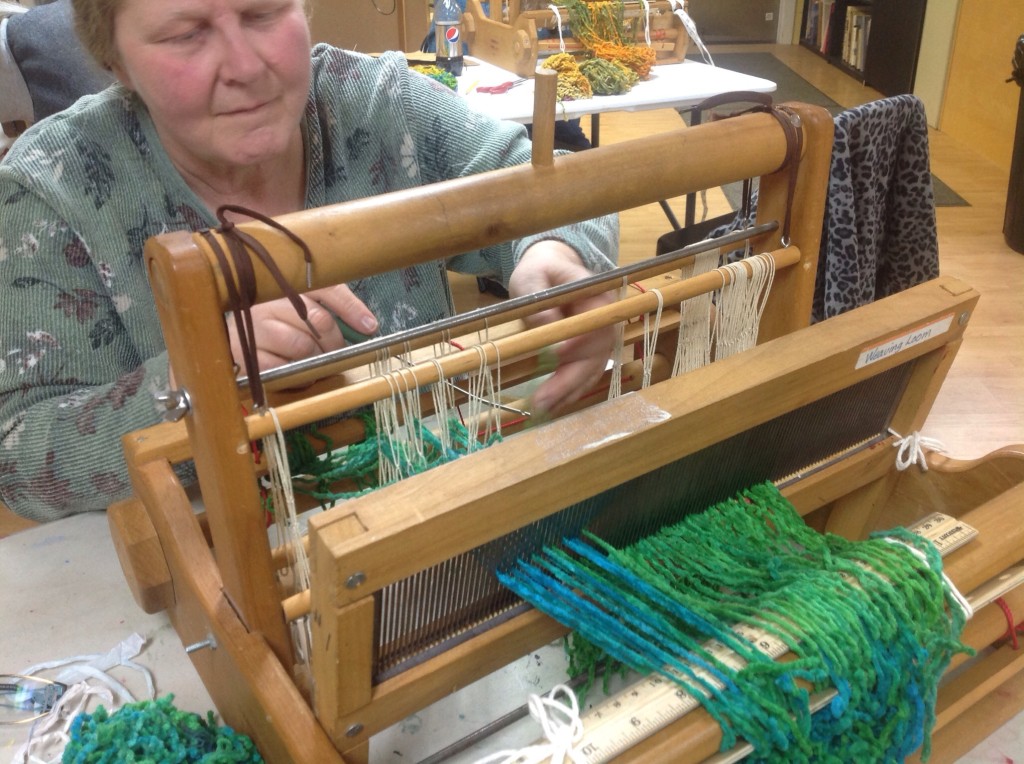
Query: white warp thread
[960,599]
[558,26]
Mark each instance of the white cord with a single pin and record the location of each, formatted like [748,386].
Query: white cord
[691,29]
[49,734]
[693,346]
[960,599]
[561,724]
[651,339]
[615,379]
[647,22]
[558,26]
[911,449]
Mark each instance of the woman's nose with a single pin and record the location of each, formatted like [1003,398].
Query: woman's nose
[242,60]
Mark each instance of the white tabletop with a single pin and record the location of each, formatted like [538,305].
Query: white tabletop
[671,86]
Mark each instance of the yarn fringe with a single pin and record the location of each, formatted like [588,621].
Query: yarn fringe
[865,618]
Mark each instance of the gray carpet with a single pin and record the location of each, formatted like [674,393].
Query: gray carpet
[793,87]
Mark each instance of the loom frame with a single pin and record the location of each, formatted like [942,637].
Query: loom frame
[214,571]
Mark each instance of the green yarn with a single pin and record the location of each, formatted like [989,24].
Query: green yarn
[608,77]
[317,474]
[865,618]
[154,732]
[443,76]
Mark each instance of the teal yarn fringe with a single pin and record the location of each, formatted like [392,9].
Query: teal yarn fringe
[865,618]
[155,732]
[314,474]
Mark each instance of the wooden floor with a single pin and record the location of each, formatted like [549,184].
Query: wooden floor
[981,406]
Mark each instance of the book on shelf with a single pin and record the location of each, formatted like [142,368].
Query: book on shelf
[855,39]
[828,13]
[811,27]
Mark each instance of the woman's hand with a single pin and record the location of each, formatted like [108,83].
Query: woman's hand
[282,336]
[581,360]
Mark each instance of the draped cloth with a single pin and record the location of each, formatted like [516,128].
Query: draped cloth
[879,235]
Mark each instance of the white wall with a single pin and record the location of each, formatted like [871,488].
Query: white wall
[788,21]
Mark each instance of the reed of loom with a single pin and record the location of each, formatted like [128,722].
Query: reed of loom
[508,36]
[215,574]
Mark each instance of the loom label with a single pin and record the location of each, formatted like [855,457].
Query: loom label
[898,344]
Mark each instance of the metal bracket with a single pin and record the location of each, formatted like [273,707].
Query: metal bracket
[176,402]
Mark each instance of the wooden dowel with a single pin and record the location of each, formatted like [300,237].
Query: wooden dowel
[318,407]
[505,199]
[544,98]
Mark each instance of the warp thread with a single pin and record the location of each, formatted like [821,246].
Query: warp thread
[863,617]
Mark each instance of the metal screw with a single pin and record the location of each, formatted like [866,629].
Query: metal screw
[963,318]
[176,402]
[355,580]
[354,730]
[208,642]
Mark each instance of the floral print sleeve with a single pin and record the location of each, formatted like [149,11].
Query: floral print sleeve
[71,378]
[81,351]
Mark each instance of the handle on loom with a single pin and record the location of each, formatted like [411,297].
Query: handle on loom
[505,200]
[544,95]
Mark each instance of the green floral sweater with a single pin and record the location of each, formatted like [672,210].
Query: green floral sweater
[80,192]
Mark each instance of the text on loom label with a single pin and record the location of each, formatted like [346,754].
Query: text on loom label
[910,339]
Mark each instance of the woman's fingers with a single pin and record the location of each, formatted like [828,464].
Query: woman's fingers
[282,336]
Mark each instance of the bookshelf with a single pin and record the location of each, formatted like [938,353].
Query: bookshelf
[875,41]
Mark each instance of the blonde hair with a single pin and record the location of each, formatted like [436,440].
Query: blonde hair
[94,25]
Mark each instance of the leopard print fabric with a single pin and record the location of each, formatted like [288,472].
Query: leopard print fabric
[878,234]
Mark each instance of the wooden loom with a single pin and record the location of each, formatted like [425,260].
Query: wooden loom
[507,36]
[215,573]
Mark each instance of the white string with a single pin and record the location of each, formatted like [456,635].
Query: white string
[960,599]
[443,396]
[647,22]
[562,727]
[693,341]
[49,734]
[691,29]
[741,303]
[479,399]
[911,449]
[289,530]
[651,339]
[615,378]
[411,432]
[558,26]
[497,390]
[385,414]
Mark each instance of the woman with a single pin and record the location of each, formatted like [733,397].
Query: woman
[219,101]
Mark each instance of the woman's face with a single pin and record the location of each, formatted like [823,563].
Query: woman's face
[225,81]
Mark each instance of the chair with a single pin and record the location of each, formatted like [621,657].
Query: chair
[43,67]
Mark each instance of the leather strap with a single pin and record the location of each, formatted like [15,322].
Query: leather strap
[240,281]
[786,117]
